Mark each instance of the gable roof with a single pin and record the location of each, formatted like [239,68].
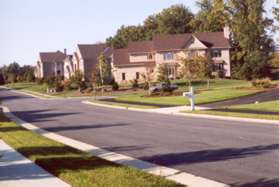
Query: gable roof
[91,51]
[170,42]
[57,56]
[142,46]
[213,39]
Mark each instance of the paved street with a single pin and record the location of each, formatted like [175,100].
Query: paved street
[236,153]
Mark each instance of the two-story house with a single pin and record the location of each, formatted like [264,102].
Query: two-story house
[86,56]
[146,56]
[50,64]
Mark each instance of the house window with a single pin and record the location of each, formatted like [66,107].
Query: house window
[123,76]
[137,75]
[168,56]
[218,67]
[216,53]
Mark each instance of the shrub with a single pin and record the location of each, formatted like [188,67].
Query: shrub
[145,85]
[115,86]
[135,83]
[262,83]
[74,86]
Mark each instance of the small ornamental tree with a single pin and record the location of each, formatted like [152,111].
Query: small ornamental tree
[103,71]
[163,73]
[198,67]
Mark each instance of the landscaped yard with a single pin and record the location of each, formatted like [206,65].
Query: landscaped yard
[74,167]
[265,110]
[220,90]
[203,97]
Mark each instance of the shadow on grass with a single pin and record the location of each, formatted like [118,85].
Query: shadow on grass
[247,111]
[57,165]
[259,183]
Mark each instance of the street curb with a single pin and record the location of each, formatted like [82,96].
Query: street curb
[228,118]
[40,95]
[206,116]
[169,173]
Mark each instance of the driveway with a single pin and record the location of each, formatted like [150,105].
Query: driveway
[240,154]
[269,95]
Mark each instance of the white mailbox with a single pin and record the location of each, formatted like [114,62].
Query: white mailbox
[191,96]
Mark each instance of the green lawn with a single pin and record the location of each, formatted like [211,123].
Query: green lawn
[72,166]
[265,110]
[201,98]
[28,86]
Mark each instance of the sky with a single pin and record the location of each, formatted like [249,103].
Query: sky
[28,27]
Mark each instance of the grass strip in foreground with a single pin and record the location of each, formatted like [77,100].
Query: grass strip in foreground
[72,166]
[265,110]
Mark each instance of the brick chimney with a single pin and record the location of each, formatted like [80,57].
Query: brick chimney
[65,51]
[227,32]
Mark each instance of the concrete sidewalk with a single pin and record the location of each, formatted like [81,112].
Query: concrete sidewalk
[16,170]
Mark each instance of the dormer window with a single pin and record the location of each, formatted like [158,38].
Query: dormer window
[168,56]
[216,53]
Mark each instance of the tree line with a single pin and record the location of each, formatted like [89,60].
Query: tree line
[15,73]
[252,42]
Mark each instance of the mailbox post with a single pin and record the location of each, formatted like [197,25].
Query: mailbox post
[191,96]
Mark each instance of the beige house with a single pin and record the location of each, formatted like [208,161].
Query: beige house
[145,57]
[86,57]
[50,64]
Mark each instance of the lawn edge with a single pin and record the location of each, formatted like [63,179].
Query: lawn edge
[229,118]
[168,173]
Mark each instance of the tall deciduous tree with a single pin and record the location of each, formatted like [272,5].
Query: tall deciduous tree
[174,20]
[211,17]
[251,43]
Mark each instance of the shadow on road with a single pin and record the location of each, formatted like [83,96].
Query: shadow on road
[32,116]
[259,183]
[210,155]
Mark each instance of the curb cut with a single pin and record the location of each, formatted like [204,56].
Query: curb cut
[169,173]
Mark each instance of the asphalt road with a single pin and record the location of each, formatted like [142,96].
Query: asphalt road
[236,153]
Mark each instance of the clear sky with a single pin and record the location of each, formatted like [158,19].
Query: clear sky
[30,26]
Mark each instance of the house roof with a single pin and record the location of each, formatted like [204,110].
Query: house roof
[121,59]
[213,39]
[142,46]
[166,43]
[57,56]
[169,42]
[91,51]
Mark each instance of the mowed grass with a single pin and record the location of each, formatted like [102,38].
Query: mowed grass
[72,166]
[202,97]
[265,110]
[40,88]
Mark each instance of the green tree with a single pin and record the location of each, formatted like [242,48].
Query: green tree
[211,17]
[197,67]
[163,73]
[174,20]
[126,34]
[251,43]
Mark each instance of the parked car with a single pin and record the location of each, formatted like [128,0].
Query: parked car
[163,87]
